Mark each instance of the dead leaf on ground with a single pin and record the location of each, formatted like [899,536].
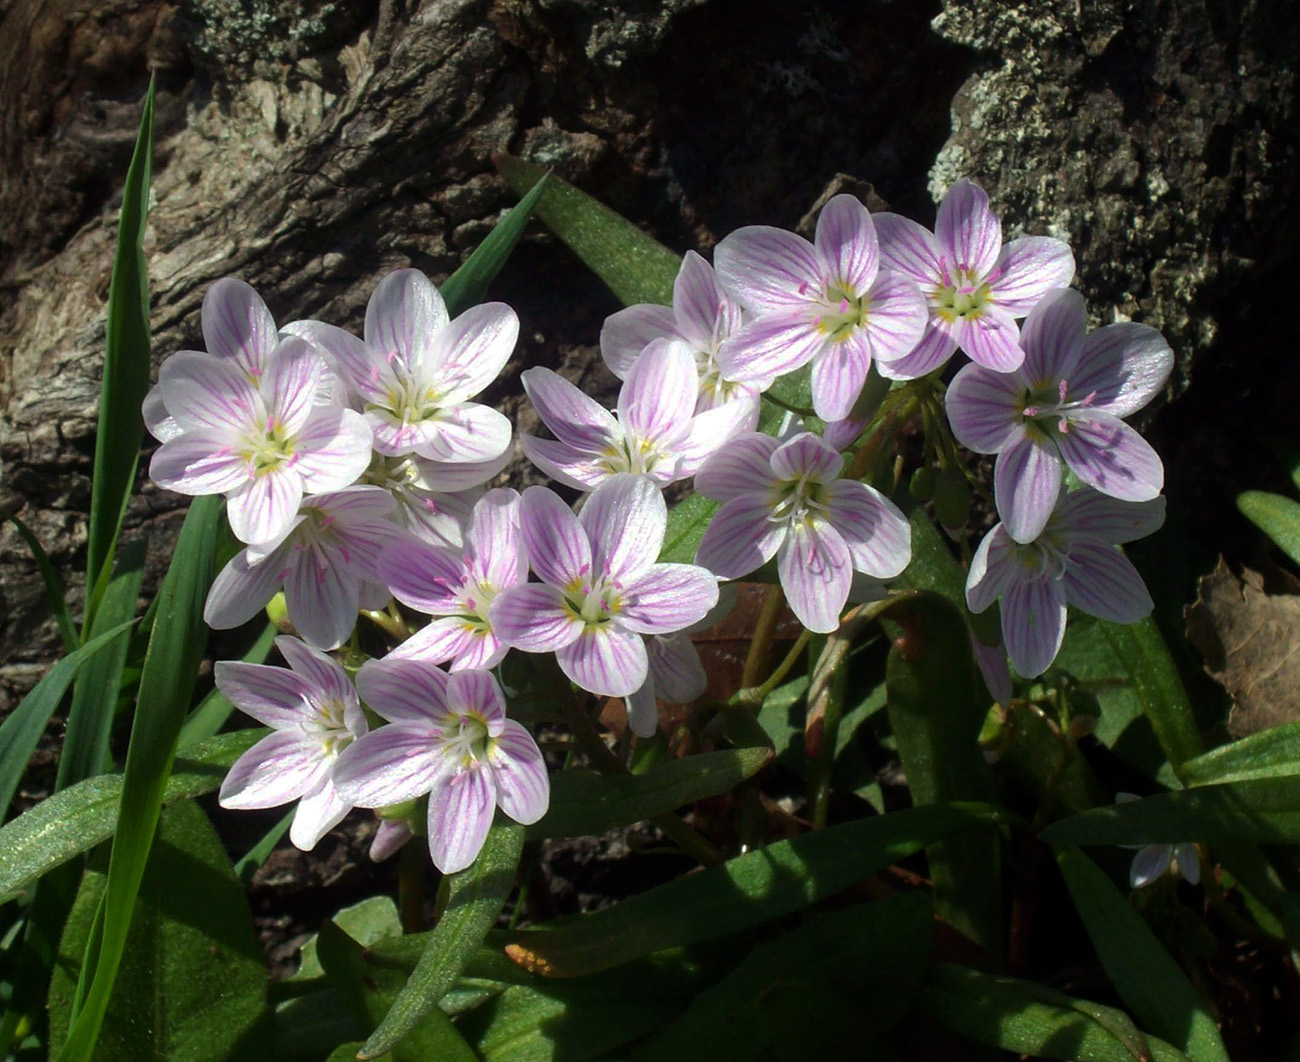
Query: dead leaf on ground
[1250,640]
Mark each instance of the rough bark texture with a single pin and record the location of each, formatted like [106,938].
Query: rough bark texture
[310,148]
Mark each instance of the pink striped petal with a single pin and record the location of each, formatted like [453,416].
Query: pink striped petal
[497,555]
[991,340]
[389,837]
[1026,484]
[242,588]
[624,518]
[347,355]
[575,419]
[423,577]
[769,269]
[388,766]
[1102,582]
[205,393]
[1087,513]
[441,639]
[643,709]
[772,345]
[466,432]
[557,544]
[806,456]
[934,348]
[481,650]
[470,352]
[332,449]
[1027,269]
[1125,365]
[534,617]
[838,374]
[574,468]
[629,331]
[967,232]
[877,534]
[237,325]
[263,508]
[657,401]
[322,600]
[846,243]
[1107,454]
[605,660]
[992,663]
[741,538]
[667,598]
[274,696]
[897,316]
[293,376]
[411,692]
[401,317]
[843,433]
[281,767]
[523,788]
[1052,338]
[477,692]
[461,804]
[816,572]
[160,424]
[712,429]
[1033,624]
[318,812]
[908,248]
[742,466]
[699,302]
[323,675]
[993,570]
[985,408]
[452,477]
[1150,863]
[676,668]
[198,462]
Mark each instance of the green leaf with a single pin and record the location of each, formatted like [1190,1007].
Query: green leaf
[214,710]
[636,267]
[1270,753]
[743,892]
[818,987]
[192,983]
[368,922]
[1028,1019]
[126,369]
[467,286]
[166,687]
[477,896]
[584,804]
[1262,809]
[53,584]
[1142,972]
[76,819]
[95,695]
[1276,516]
[22,728]
[687,521]
[936,709]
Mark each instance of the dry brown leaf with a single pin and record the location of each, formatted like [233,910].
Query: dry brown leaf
[1250,640]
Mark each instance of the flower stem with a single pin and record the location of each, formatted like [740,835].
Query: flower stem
[754,696]
[411,874]
[764,632]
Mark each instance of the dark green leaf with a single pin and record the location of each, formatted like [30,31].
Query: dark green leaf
[584,804]
[746,891]
[1028,1019]
[210,716]
[1276,516]
[53,585]
[467,286]
[477,896]
[1262,809]
[166,687]
[22,728]
[126,369]
[1271,753]
[636,267]
[192,982]
[1142,972]
[687,522]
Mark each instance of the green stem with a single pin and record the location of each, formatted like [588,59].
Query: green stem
[754,696]
[411,875]
[764,632]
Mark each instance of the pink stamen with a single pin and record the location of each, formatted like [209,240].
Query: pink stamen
[1031,411]
[803,288]
[992,277]
[944,275]
[347,557]
[392,356]
[430,505]
[1062,388]
[844,305]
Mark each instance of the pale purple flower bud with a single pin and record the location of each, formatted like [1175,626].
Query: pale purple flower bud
[786,499]
[1062,408]
[448,737]
[313,711]
[1154,861]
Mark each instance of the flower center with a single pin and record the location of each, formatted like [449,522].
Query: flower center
[467,739]
[593,603]
[632,454]
[798,500]
[269,449]
[330,724]
[476,600]
[845,311]
[409,400]
[960,293]
[1052,409]
[1046,557]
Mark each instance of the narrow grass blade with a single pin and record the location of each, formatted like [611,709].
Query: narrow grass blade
[636,267]
[477,896]
[585,804]
[22,728]
[214,710]
[1271,753]
[743,892]
[126,369]
[1277,516]
[95,695]
[53,584]
[1146,977]
[247,865]
[166,686]
[467,286]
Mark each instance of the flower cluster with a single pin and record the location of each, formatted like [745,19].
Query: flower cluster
[355,473]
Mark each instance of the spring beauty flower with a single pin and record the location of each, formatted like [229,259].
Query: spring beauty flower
[1062,407]
[1072,562]
[976,285]
[314,715]
[457,586]
[601,589]
[675,674]
[262,443]
[826,302]
[786,499]
[448,737]
[1154,861]
[655,431]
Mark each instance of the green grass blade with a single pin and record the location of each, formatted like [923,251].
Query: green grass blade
[76,819]
[1145,976]
[636,267]
[166,686]
[1270,753]
[477,896]
[746,891]
[213,711]
[126,369]
[1276,516]
[467,286]
[95,695]
[22,728]
[53,584]
[583,805]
